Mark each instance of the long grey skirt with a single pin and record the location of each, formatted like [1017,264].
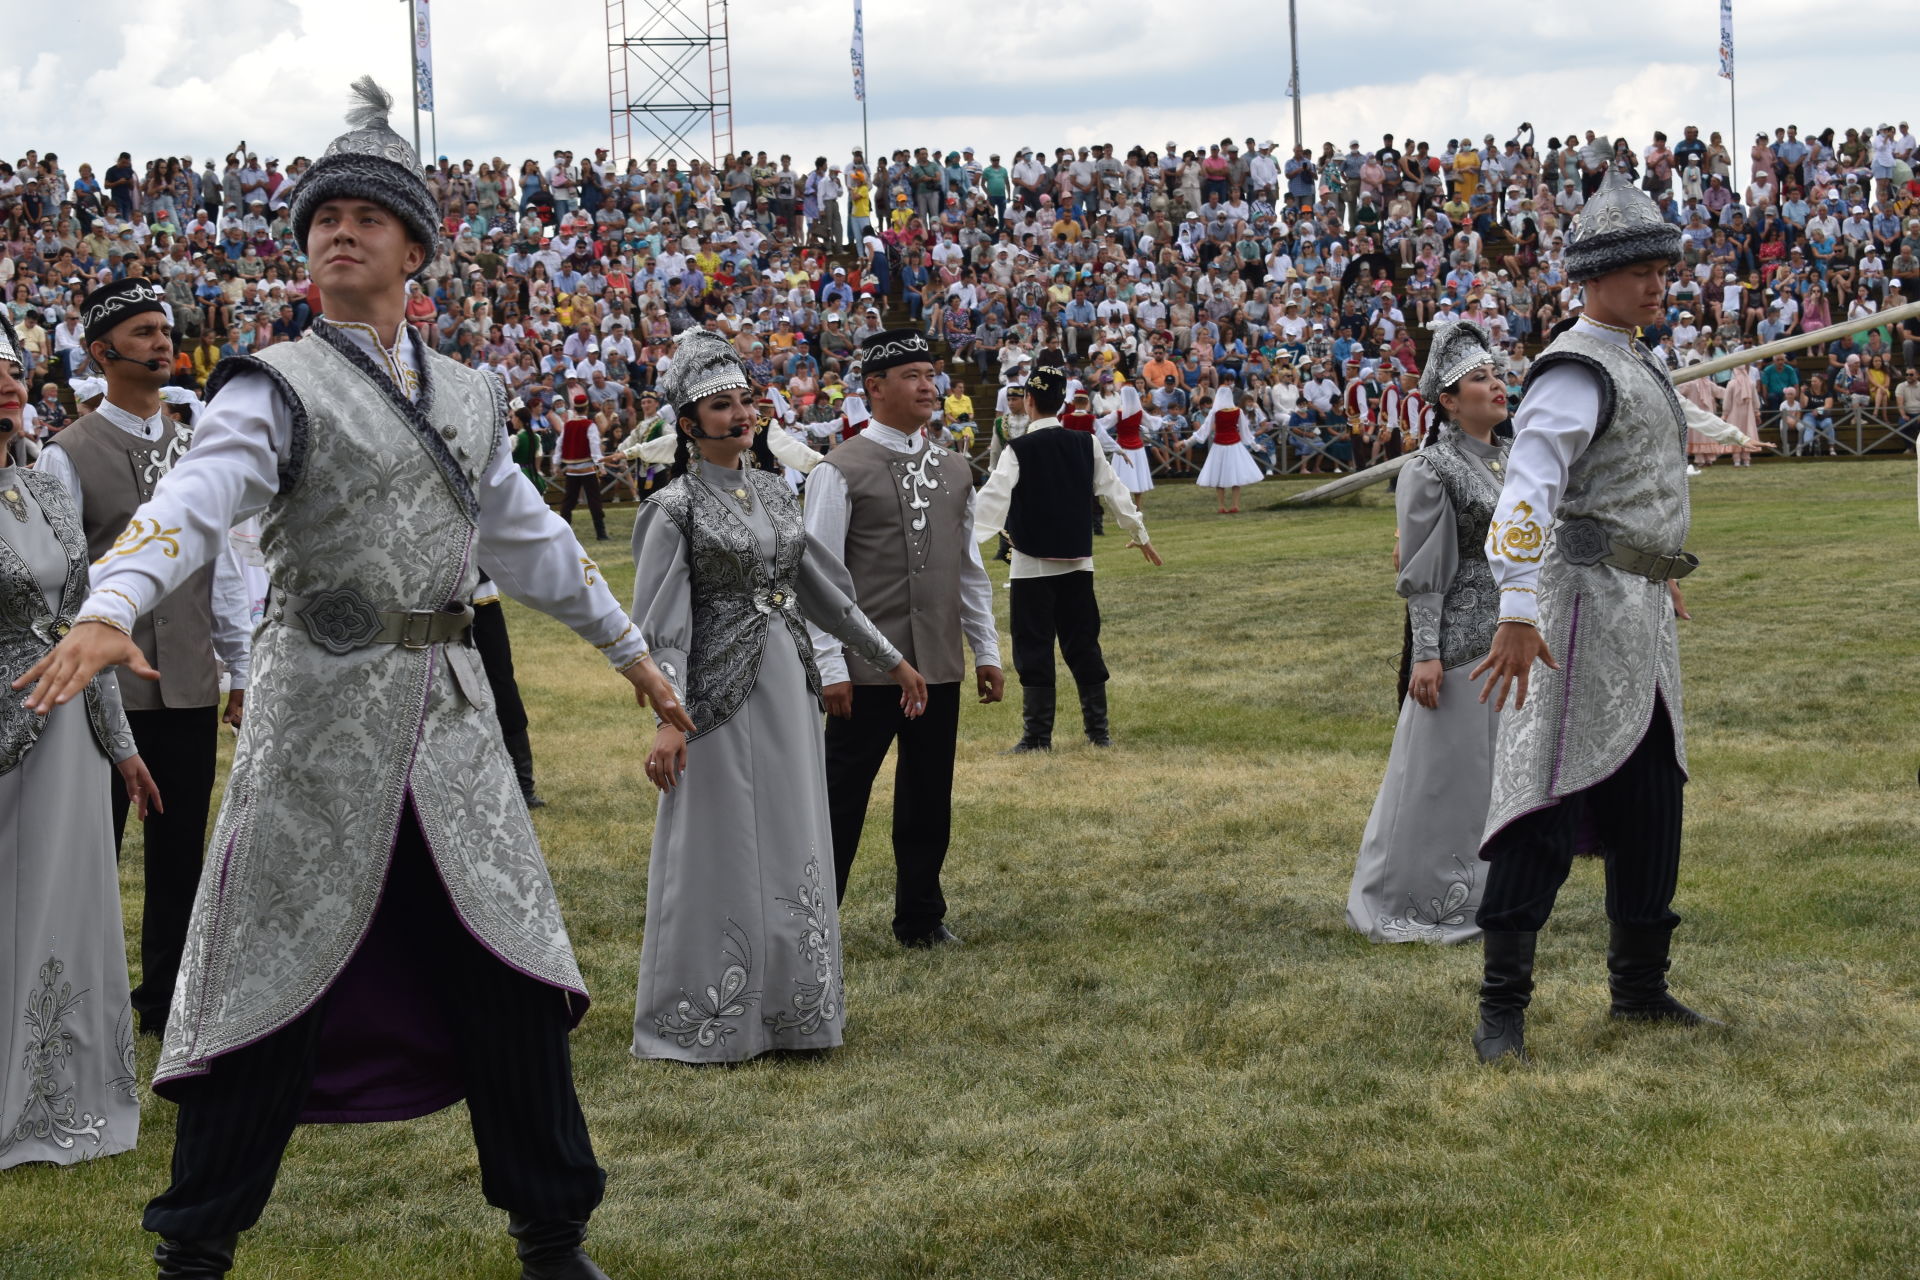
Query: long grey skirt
[1419,877]
[742,949]
[67,1085]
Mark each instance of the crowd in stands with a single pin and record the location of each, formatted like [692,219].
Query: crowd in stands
[1300,281]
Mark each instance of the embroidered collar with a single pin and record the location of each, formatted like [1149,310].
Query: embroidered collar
[1601,329]
[397,361]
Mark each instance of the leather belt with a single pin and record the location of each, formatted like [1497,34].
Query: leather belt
[1586,542]
[341,620]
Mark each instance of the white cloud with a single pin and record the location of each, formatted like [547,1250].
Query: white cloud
[517,80]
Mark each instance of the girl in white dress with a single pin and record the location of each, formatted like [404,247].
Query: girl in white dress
[1229,464]
[1129,429]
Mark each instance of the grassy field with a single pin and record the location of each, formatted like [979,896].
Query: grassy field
[1161,1054]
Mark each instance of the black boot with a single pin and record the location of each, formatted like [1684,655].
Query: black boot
[1036,719]
[599,528]
[520,751]
[1093,714]
[551,1250]
[1505,991]
[195,1259]
[1637,975]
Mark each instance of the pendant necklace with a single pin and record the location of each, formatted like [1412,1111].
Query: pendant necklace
[14,502]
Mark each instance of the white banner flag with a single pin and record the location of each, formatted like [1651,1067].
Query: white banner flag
[859,56]
[1726,39]
[423,54]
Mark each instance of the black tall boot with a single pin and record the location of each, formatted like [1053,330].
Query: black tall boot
[520,751]
[1637,974]
[599,527]
[1093,713]
[1036,719]
[195,1259]
[551,1250]
[1506,988]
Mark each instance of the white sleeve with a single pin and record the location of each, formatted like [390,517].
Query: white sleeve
[1555,425]
[232,616]
[992,500]
[53,461]
[231,472]
[1108,487]
[1714,427]
[976,600]
[826,516]
[1102,431]
[593,443]
[528,550]
[789,452]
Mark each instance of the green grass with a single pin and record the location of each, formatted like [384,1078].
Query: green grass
[1161,1054]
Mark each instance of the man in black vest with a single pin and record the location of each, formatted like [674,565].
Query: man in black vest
[1038,493]
[109,461]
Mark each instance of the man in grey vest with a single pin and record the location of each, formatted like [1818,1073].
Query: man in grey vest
[382,938]
[898,509]
[110,460]
[1587,546]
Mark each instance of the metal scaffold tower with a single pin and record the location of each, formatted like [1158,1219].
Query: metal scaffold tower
[669,80]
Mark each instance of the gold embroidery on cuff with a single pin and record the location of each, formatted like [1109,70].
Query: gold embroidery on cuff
[616,640]
[1520,539]
[94,617]
[1532,622]
[114,591]
[138,536]
[631,665]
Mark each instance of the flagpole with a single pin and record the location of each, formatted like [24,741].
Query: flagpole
[1293,43]
[413,74]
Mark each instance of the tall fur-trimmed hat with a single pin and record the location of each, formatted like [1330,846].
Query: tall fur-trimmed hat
[369,162]
[1620,226]
[704,363]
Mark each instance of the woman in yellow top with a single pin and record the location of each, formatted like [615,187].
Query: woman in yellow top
[1466,172]
[860,193]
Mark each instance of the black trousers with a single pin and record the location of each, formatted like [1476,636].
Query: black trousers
[177,744]
[511,1036]
[588,484]
[496,656]
[1060,607]
[922,794]
[1636,816]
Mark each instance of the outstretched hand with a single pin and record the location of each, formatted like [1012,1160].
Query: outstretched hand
[87,650]
[1515,647]
[1146,549]
[649,685]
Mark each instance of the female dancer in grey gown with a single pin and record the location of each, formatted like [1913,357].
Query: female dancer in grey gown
[742,947]
[67,1088]
[1417,878]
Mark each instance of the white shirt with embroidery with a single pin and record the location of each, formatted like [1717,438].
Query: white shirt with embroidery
[1553,428]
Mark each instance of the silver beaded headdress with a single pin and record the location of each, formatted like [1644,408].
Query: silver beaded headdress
[1457,350]
[704,364]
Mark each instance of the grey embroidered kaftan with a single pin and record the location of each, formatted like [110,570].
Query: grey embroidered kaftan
[1418,877]
[67,1087]
[742,947]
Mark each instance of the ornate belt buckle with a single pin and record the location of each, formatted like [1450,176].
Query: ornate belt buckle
[1583,542]
[340,620]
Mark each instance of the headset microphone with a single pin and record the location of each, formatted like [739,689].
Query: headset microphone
[731,433]
[152,365]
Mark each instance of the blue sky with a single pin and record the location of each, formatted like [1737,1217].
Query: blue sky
[518,79]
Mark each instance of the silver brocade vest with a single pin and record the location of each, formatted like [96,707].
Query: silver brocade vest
[907,538]
[377,496]
[1468,611]
[734,598]
[28,631]
[1612,632]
